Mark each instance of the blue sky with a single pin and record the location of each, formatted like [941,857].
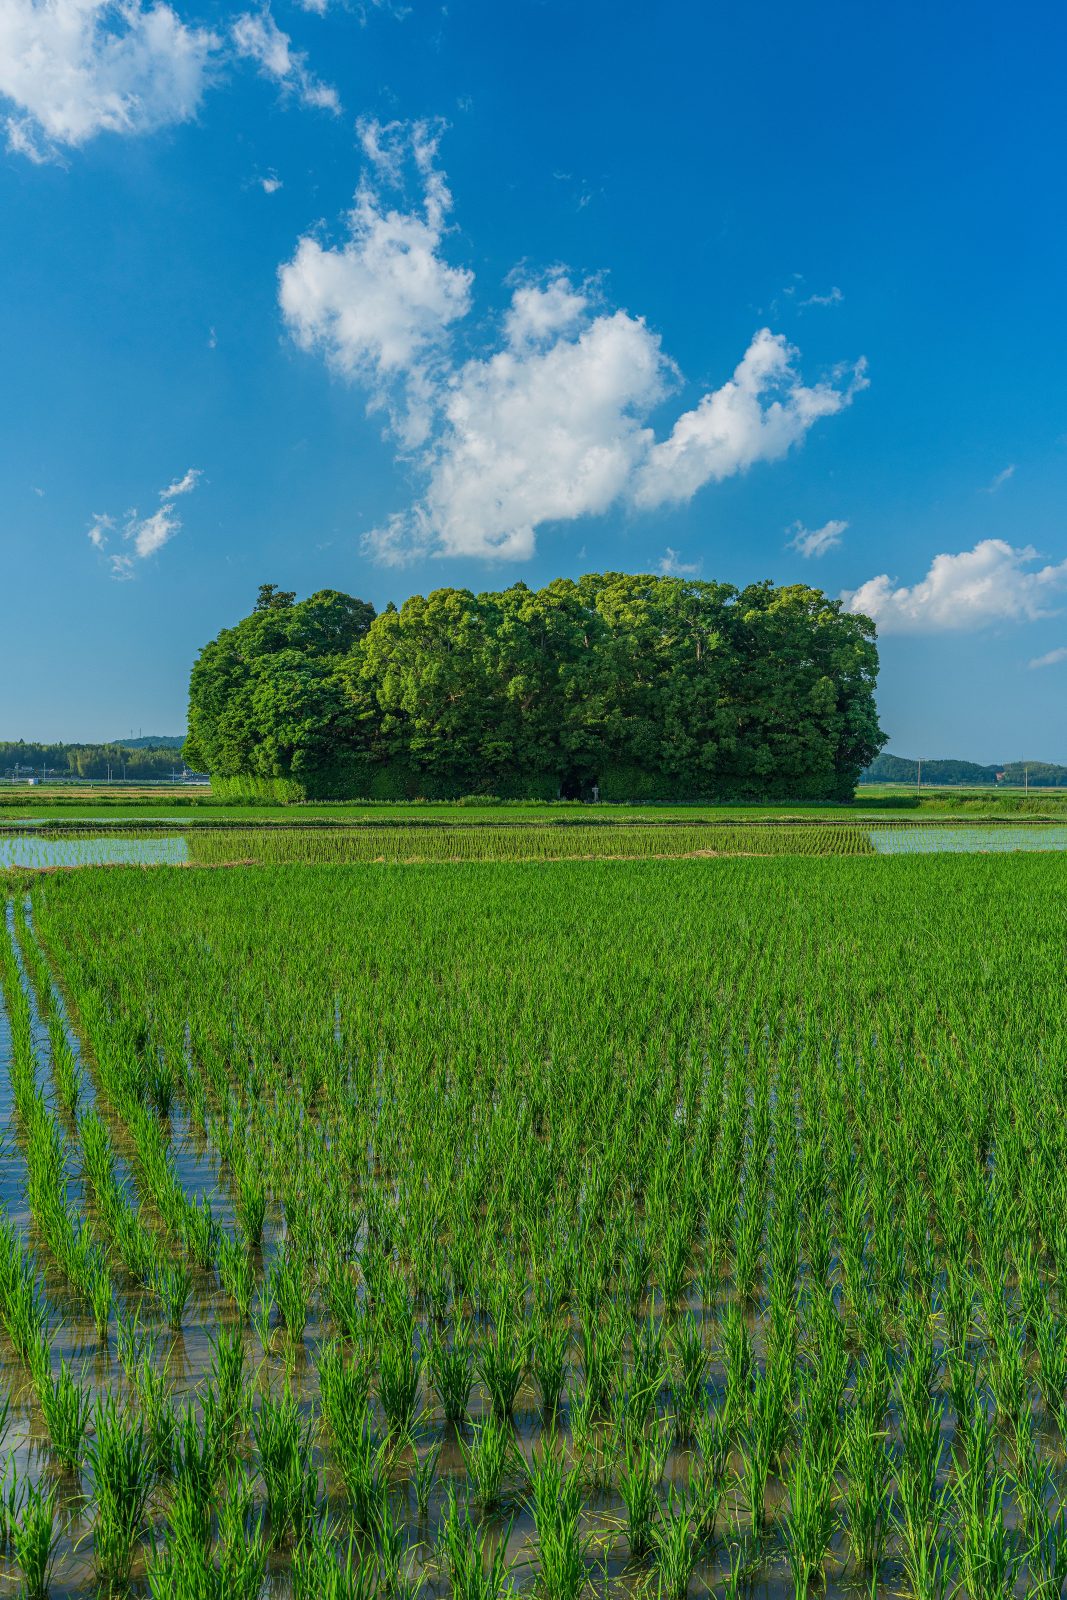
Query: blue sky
[384,298]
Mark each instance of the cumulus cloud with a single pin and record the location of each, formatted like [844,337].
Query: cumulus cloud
[1051,658]
[549,425]
[758,415]
[994,582]
[76,68]
[257,36]
[816,541]
[379,306]
[142,536]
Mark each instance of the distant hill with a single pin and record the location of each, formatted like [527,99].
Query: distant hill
[905,769]
[153,741]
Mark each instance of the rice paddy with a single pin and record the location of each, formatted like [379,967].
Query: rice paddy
[415,843]
[534,1225]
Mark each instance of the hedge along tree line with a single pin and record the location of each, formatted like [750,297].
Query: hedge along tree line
[653,688]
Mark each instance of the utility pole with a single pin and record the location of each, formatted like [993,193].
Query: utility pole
[919,777]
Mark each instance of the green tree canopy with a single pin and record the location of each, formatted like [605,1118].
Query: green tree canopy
[648,686]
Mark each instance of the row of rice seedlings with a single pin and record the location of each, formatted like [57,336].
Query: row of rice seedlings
[513,843]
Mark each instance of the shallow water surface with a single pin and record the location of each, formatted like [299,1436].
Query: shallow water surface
[65,850]
[971,839]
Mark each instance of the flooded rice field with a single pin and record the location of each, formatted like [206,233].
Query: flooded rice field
[269,844]
[359,1240]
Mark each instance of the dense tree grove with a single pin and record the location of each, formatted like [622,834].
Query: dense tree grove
[647,687]
[21,759]
[903,769]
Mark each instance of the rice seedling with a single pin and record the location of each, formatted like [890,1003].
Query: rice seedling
[867,1470]
[66,1406]
[488,1457]
[451,1372]
[290,1479]
[809,1524]
[477,1571]
[35,1536]
[499,1362]
[548,1365]
[121,1468]
[399,1372]
[555,1502]
[324,1568]
[675,1548]
[639,1491]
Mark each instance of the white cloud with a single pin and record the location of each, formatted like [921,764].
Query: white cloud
[757,416]
[76,68]
[1051,658]
[672,566]
[1000,480]
[816,541]
[991,583]
[99,529]
[379,307]
[258,37]
[834,298]
[550,425]
[542,434]
[144,536]
[270,184]
[182,485]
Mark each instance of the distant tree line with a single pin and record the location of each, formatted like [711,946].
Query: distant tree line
[901,769]
[646,687]
[86,760]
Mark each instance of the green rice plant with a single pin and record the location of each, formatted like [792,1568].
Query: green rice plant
[236,1273]
[925,1557]
[639,1490]
[689,1366]
[399,1371]
[810,1521]
[450,1368]
[867,1469]
[227,1400]
[488,1457]
[1046,1555]
[35,1536]
[325,1569]
[195,1471]
[500,1363]
[173,1283]
[548,1364]
[675,1548]
[286,1285]
[423,1472]
[476,1572]
[250,1204]
[707,1474]
[66,1408]
[555,1502]
[739,1364]
[640,1386]
[121,1468]
[283,1442]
